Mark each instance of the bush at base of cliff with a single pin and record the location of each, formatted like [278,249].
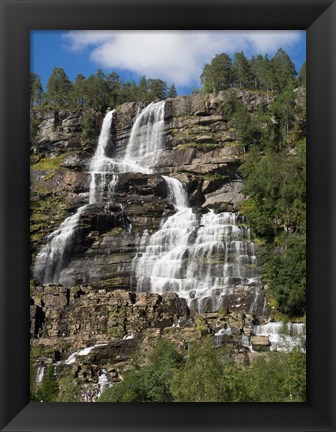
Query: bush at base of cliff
[209,374]
[148,384]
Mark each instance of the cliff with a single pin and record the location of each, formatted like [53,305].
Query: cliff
[95,305]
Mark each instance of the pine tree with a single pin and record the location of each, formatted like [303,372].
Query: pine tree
[302,75]
[172,93]
[114,84]
[283,69]
[218,75]
[59,88]
[36,90]
[79,91]
[157,89]
[49,386]
[242,71]
[98,91]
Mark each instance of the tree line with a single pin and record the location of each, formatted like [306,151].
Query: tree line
[258,73]
[98,91]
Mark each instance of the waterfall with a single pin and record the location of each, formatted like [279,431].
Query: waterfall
[100,164]
[200,257]
[283,337]
[56,254]
[146,139]
[176,193]
[40,374]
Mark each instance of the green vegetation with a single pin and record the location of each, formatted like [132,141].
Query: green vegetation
[49,388]
[98,91]
[69,390]
[210,374]
[259,73]
[151,383]
[274,167]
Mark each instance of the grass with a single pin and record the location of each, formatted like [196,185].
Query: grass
[48,164]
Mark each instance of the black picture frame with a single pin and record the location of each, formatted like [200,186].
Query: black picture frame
[18,17]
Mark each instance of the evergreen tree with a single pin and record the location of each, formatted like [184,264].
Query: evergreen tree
[218,75]
[129,92]
[242,71]
[79,91]
[157,89]
[59,88]
[36,90]
[283,109]
[142,91]
[49,386]
[302,75]
[97,89]
[283,69]
[114,84]
[172,93]
[264,78]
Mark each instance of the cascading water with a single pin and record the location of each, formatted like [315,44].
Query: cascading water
[55,255]
[146,140]
[202,257]
[283,337]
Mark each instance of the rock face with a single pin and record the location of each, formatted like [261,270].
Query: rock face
[200,150]
[96,305]
[87,330]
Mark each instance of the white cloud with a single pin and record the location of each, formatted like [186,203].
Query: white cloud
[174,56]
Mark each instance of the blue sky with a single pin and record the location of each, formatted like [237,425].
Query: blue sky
[174,56]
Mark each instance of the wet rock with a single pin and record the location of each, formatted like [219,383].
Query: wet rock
[260,343]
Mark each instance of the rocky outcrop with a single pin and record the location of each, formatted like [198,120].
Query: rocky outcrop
[88,330]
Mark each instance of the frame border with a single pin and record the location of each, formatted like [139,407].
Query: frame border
[18,17]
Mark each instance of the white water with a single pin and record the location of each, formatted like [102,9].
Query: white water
[40,374]
[103,382]
[200,257]
[146,140]
[55,255]
[283,337]
[82,352]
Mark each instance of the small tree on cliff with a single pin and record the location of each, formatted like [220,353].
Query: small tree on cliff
[36,90]
[172,93]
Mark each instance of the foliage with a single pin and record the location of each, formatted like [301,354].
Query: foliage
[283,70]
[259,73]
[302,75]
[275,377]
[36,90]
[172,93]
[59,88]
[285,273]
[89,126]
[150,383]
[209,374]
[49,387]
[217,75]
[69,390]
